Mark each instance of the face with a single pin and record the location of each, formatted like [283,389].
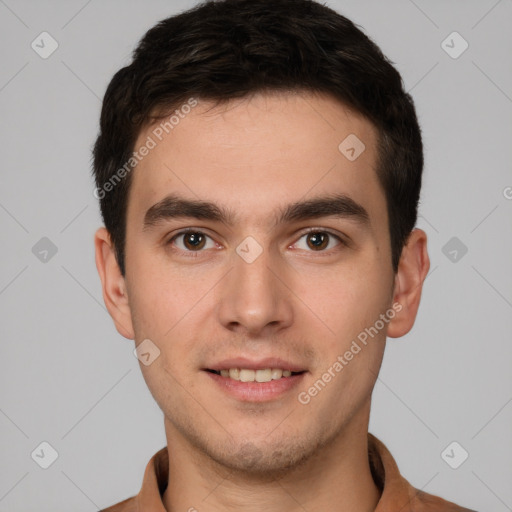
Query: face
[254,242]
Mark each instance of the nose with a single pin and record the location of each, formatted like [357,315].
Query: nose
[254,299]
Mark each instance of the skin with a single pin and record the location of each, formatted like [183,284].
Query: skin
[255,156]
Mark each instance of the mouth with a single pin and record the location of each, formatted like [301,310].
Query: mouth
[265,380]
[255,375]
[249,380]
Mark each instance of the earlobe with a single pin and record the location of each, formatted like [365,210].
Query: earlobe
[412,270]
[113,284]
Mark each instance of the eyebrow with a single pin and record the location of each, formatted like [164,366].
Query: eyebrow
[337,205]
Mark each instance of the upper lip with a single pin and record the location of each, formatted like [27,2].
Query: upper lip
[253,364]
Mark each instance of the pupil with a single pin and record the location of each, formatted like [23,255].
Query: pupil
[194,240]
[317,240]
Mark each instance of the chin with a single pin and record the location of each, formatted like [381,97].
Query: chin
[261,460]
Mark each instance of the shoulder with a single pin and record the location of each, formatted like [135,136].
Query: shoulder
[428,502]
[128,505]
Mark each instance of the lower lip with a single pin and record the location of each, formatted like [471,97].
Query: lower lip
[256,391]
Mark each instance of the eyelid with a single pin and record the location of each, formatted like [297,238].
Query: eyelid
[343,240]
[184,231]
[340,238]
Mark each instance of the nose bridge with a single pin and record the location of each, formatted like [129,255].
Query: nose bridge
[253,298]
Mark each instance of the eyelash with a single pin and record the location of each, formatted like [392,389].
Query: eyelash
[188,254]
[195,254]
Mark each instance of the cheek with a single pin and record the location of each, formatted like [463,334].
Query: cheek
[345,300]
[151,310]
[160,297]
[169,309]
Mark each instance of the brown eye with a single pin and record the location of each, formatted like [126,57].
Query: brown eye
[194,241]
[317,241]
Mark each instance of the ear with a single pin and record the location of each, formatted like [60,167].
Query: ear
[412,271]
[113,284]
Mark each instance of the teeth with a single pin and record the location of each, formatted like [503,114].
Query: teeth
[276,373]
[263,375]
[247,375]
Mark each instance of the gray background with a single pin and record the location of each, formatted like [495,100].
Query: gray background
[69,379]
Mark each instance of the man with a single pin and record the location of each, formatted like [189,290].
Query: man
[259,169]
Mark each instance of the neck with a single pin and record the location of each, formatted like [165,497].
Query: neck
[338,474]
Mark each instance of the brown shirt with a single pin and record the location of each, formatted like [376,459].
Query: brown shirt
[397,495]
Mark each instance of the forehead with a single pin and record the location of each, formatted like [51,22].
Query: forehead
[256,154]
